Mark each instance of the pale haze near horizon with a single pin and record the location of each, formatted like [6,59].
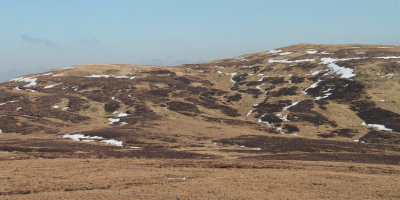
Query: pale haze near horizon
[40,35]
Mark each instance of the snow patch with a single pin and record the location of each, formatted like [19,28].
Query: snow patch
[30,80]
[50,86]
[285,53]
[293,104]
[113,142]
[97,76]
[282,117]
[390,75]
[79,137]
[385,47]
[290,61]
[314,85]
[123,114]
[249,113]
[312,51]
[274,51]
[108,76]
[316,72]
[326,94]
[265,122]
[113,120]
[343,71]
[389,57]
[378,126]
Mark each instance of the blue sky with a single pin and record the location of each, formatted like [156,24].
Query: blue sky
[39,35]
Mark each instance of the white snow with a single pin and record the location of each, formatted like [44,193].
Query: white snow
[326,94]
[390,75]
[257,148]
[219,72]
[121,77]
[232,75]
[68,68]
[1,104]
[19,108]
[56,106]
[32,90]
[389,57]
[135,147]
[30,80]
[290,61]
[220,66]
[113,142]
[50,86]
[17,88]
[385,47]
[98,76]
[249,113]
[311,51]
[259,86]
[266,122]
[79,137]
[1,131]
[57,75]
[87,140]
[274,51]
[316,72]
[113,120]
[343,71]
[314,85]
[123,114]
[378,126]
[293,104]
[325,53]
[285,53]
[124,123]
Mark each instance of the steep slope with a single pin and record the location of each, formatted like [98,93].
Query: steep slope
[307,102]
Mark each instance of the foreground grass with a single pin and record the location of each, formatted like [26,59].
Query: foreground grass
[195,179]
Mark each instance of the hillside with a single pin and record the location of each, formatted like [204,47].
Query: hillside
[323,102]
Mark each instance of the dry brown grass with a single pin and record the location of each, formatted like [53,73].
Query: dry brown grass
[195,179]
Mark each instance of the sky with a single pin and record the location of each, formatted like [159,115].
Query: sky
[39,35]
